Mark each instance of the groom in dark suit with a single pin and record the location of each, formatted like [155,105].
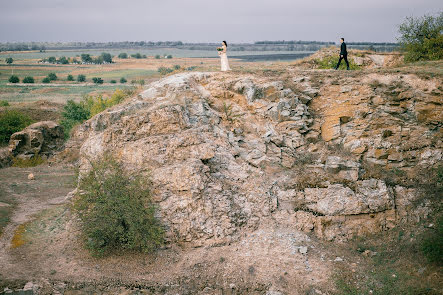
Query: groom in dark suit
[343,54]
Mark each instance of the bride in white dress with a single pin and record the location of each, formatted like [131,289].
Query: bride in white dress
[223,57]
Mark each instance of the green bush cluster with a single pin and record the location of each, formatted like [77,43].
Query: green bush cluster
[75,113]
[421,38]
[12,121]
[81,78]
[123,80]
[116,210]
[28,79]
[70,78]
[4,103]
[97,80]
[330,62]
[14,79]
[138,55]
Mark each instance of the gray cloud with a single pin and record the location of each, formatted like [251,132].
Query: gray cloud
[205,20]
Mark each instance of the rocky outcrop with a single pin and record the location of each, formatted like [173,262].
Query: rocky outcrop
[41,138]
[226,152]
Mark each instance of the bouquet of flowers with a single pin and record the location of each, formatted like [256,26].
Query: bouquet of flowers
[219,49]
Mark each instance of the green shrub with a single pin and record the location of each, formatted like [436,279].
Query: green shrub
[97,80]
[52,76]
[157,56]
[123,55]
[113,81]
[421,38]
[13,79]
[81,78]
[9,60]
[330,62]
[123,80]
[70,78]
[164,70]
[73,114]
[4,103]
[12,121]
[177,67]
[116,210]
[169,56]
[46,80]
[28,80]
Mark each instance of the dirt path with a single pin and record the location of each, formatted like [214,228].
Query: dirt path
[49,188]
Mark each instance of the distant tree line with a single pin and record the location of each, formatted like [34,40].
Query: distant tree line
[294,42]
[85,59]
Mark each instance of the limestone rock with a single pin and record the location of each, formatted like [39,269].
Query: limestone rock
[41,138]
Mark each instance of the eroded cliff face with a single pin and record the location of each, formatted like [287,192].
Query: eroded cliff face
[227,152]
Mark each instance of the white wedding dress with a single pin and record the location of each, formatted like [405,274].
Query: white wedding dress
[224,60]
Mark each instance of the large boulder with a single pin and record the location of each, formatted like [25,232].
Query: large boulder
[227,152]
[41,138]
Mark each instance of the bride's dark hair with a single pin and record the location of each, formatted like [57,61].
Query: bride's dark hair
[225,43]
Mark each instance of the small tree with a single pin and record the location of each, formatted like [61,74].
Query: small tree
[9,60]
[86,58]
[106,57]
[113,81]
[97,80]
[123,80]
[81,78]
[116,210]
[123,55]
[157,56]
[70,78]
[52,59]
[421,38]
[14,79]
[46,80]
[63,60]
[52,76]
[12,121]
[28,79]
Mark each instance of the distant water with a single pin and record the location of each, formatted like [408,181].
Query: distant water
[271,57]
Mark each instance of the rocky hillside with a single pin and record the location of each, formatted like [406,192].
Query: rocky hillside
[334,154]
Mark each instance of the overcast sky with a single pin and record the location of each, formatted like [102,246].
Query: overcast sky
[206,20]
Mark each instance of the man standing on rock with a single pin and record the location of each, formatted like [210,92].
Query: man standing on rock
[343,54]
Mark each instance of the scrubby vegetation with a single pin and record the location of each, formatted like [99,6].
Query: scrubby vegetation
[70,78]
[116,210]
[330,62]
[12,121]
[421,38]
[31,162]
[75,113]
[4,103]
[123,55]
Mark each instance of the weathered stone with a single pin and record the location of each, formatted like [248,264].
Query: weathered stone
[41,138]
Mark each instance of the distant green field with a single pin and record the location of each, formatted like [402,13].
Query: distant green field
[59,94]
